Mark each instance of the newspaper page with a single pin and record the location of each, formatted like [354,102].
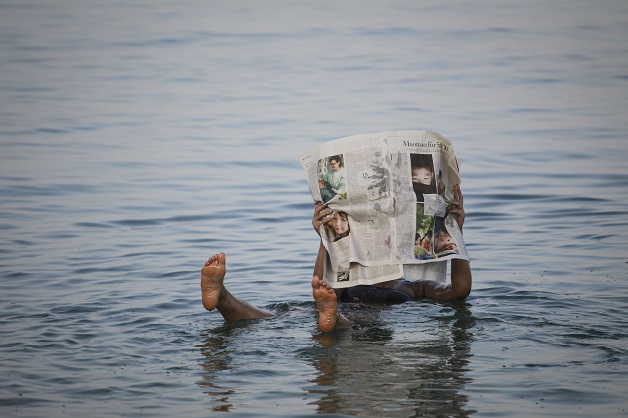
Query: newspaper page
[389,193]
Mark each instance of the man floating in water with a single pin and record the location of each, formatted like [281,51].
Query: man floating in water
[216,296]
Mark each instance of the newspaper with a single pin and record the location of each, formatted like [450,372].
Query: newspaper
[390,193]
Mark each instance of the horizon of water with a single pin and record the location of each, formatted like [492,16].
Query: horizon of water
[138,138]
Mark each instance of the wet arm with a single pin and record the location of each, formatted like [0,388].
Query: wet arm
[320,218]
[461,281]
[319,266]
[459,288]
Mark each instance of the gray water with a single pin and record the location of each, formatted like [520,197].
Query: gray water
[137,138]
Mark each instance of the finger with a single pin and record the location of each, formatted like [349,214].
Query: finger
[457,213]
[457,210]
[324,214]
[323,217]
[319,207]
[324,221]
[458,194]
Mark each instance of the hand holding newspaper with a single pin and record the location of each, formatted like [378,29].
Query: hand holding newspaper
[390,193]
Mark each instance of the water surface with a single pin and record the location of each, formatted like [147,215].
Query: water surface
[137,138]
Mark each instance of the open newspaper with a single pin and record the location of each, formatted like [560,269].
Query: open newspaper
[390,193]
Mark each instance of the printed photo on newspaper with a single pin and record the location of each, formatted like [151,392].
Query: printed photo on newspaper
[389,193]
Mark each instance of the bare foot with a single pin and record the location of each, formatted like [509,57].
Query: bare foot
[212,276]
[326,304]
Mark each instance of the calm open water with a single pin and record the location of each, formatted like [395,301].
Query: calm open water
[139,137]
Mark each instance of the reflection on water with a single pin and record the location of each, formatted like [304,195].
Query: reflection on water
[366,372]
[372,369]
[216,353]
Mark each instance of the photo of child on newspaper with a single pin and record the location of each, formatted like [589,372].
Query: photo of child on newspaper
[443,243]
[332,178]
[423,178]
[338,227]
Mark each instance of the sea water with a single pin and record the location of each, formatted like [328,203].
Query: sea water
[138,138]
